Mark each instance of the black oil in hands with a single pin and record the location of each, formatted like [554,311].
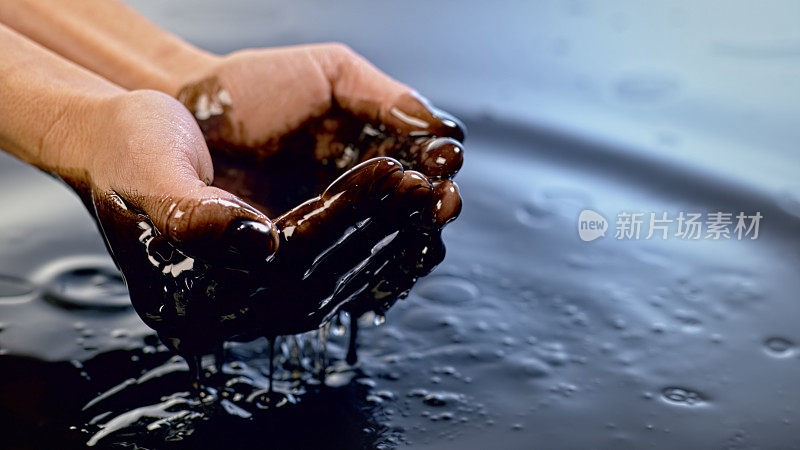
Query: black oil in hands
[358,246]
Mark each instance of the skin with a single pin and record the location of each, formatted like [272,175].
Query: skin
[128,123]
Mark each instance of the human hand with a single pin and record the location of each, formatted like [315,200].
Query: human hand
[198,288]
[252,99]
[200,262]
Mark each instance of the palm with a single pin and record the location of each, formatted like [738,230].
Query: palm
[334,260]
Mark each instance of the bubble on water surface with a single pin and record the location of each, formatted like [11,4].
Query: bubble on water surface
[86,283]
[778,346]
[448,289]
[442,398]
[682,396]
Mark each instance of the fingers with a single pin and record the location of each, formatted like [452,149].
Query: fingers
[309,229]
[437,158]
[412,196]
[212,224]
[441,158]
[360,88]
[370,254]
[330,244]
[159,163]
[445,205]
[412,113]
[376,191]
[411,255]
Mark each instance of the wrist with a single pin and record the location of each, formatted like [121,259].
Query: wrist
[126,136]
[74,141]
[181,64]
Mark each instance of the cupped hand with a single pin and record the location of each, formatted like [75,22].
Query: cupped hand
[352,167]
[251,100]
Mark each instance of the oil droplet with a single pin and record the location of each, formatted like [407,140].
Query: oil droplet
[448,289]
[442,398]
[94,287]
[682,396]
[386,395]
[418,392]
[374,399]
[379,320]
[778,346]
[447,415]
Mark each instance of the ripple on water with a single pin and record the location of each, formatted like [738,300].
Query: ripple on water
[550,204]
[89,284]
[682,396]
[11,288]
[779,347]
[528,367]
[534,215]
[789,200]
[448,289]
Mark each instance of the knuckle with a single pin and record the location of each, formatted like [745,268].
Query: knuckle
[338,49]
[145,99]
[177,223]
[336,59]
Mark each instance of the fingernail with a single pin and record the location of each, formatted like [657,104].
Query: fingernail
[415,111]
[388,175]
[252,241]
[450,125]
[447,203]
[412,195]
[380,174]
[442,158]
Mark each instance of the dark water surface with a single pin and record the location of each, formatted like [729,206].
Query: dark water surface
[525,335]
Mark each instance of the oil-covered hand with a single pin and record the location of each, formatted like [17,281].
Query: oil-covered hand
[252,99]
[326,185]
[358,192]
[361,243]
[282,125]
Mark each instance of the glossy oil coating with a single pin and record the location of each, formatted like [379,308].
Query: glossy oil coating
[363,242]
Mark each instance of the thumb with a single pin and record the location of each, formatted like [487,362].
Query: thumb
[362,89]
[212,224]
[160,164]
